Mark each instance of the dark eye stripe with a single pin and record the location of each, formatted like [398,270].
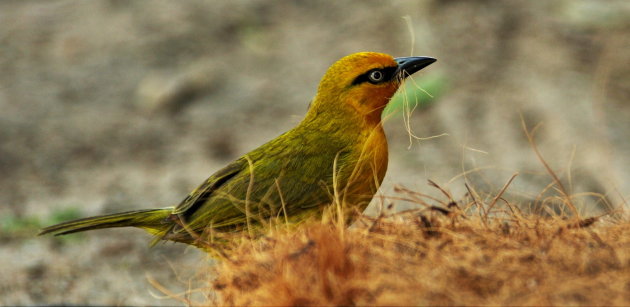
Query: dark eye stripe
[388,74]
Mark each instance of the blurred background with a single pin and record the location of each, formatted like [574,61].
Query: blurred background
[115,105]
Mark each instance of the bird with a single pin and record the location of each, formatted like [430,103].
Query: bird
[334,159]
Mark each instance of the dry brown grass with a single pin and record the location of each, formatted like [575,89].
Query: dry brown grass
[428,258]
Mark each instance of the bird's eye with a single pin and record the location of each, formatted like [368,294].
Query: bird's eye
[376,76]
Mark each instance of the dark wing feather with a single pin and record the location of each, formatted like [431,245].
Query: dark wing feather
[199,196]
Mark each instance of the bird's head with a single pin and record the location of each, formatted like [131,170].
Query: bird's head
[364,82]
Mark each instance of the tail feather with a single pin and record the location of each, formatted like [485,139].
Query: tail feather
[152,220]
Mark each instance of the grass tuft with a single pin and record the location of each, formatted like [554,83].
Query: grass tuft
[434,257]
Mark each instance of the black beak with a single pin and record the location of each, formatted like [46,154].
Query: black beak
[409,65]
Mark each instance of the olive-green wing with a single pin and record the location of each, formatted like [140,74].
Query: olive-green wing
[200,195]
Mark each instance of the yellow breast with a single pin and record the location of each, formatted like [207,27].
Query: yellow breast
[369,170]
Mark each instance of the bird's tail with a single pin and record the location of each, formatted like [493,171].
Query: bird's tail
[154,221]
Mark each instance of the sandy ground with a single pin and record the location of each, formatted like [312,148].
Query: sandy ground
[115,105]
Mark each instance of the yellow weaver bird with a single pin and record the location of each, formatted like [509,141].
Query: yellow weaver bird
[336,156]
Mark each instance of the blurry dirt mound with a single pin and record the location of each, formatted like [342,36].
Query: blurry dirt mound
[431,259]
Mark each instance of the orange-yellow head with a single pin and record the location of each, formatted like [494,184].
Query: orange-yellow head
[364,82]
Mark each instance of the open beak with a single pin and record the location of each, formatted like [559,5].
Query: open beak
[409,65]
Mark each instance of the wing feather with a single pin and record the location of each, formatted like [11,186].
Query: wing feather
[198,197]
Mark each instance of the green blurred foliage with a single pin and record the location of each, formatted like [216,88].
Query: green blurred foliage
[12,226]
[63,215]
[417,92]
[15,224]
